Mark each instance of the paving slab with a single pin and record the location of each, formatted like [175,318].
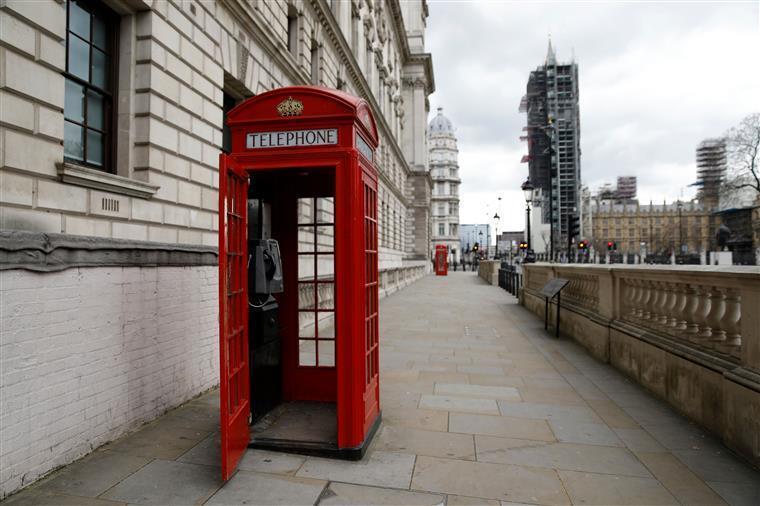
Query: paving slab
[609,489]
[426,442]
[478,391]
[638,440]
[383,469]
[167,482]
[270,462]
[459,404]
[461,500]
[159,441]
[481,369]
[208,452]
[737,494]
[718,465]
[35,498]
[360,495]
[551,396]
[256,488]
[427,419]
[613,415]
[541,411]
[679,480]
[93,475]
[519,428]
[568,456]
[569,431]
[490,481]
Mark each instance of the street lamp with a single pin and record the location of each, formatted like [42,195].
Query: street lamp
[680,229]
[496,222]
[527,189]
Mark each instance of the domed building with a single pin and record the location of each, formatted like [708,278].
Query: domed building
[444,170]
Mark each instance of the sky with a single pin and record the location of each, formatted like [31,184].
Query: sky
[655,78]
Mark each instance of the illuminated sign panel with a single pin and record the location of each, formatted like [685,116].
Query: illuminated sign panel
[292,139]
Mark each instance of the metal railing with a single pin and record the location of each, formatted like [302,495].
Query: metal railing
[509,279]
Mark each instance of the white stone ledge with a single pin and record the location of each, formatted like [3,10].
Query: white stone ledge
[91,178]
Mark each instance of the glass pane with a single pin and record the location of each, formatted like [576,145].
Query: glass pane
[73,106]
[325,267]
[73,141]
[94,147]
[325,210]
[99,69]
[305,239]
[79,20]
[79,58]
[306,324]
[326,238]
[99,32]
[325,295]
[326,325]
[307,353]
[305,267]
[326,353]
[95,110]
[306,296]
[306,210]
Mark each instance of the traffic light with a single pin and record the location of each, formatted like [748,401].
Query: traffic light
[523,245]
[611,246]
[583,245]
[574,228]
[475,247]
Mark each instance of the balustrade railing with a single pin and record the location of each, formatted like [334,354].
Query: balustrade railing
[707,316]
[702,308]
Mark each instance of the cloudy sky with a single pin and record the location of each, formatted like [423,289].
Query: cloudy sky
[655,79]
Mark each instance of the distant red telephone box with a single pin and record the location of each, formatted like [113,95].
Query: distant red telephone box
[298,283]
[441,260]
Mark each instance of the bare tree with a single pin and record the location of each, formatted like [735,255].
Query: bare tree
[743,152]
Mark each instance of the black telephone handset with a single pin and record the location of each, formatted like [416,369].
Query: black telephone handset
[270,268]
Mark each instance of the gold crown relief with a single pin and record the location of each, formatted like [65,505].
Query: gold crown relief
[290,107]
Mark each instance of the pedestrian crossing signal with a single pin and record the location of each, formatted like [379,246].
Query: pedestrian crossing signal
[523,245]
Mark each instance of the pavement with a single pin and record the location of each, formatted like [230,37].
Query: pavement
[480,406]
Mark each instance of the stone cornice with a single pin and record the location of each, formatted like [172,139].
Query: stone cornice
[56,252]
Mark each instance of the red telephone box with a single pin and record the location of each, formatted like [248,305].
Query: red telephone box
[304,156]
[441,260]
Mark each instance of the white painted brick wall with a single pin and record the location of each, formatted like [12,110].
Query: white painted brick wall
[89,354]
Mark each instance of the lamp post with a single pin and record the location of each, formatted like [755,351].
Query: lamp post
[496,231]
[480,241]
[527,189]
[680,229]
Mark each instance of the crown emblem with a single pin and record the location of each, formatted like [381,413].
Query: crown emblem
[290,107]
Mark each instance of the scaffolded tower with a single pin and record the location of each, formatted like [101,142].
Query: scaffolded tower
[553,136]
[711,170]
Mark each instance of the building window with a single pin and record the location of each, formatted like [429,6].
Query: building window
[314,60]
[292,29]
[89,110]
[441,229]
[228,103]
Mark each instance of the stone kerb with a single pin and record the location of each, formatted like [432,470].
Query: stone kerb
[691,335]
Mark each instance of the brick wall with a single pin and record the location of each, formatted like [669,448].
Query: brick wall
[87,354]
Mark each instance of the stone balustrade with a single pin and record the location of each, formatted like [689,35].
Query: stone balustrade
[690,334]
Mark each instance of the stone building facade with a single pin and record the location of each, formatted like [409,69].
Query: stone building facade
[658,226]
[444,168]
[111,122]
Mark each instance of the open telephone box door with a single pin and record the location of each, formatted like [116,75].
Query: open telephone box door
[306,156]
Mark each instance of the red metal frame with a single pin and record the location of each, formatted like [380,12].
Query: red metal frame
[343,171]
[441,260]
[233,316]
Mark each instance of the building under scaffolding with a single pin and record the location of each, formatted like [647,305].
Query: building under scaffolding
[711,170]
[553,136]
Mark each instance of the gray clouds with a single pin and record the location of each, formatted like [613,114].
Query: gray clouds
[655,79]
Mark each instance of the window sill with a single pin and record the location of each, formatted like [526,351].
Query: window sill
[91,178]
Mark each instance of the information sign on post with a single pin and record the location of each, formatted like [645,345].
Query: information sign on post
[551,289]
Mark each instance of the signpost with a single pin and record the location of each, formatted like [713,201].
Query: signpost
[550,289]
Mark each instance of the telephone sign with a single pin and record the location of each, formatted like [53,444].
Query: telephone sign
[292,139]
